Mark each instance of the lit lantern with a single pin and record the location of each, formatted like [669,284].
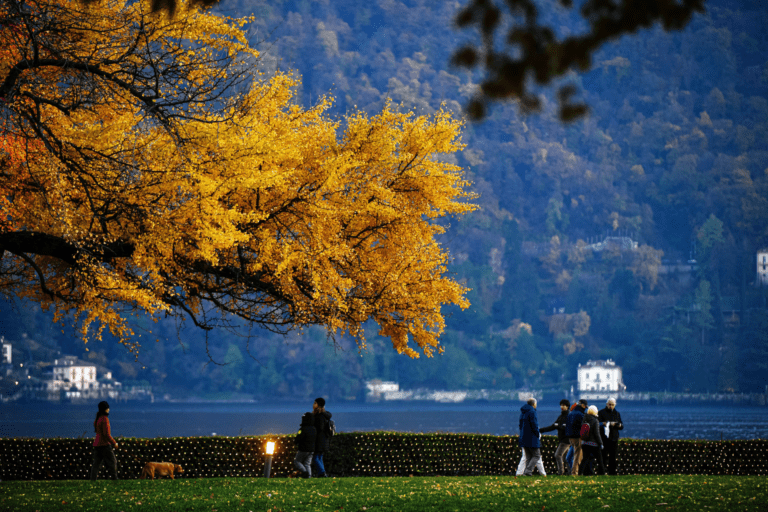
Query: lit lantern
[268,463]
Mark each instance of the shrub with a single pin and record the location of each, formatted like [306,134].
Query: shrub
[366,454]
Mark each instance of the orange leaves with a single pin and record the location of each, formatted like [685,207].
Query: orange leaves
[166,191]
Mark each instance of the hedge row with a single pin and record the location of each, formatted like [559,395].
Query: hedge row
[366,454]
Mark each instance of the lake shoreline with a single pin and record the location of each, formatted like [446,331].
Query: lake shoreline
[184,419]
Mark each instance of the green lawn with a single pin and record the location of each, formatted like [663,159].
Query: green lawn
[417,494]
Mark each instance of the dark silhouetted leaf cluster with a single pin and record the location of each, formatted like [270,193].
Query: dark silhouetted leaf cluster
[531,50]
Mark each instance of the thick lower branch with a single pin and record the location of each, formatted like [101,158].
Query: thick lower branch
[43,244]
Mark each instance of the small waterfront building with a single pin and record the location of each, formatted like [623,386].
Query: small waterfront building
[600,380]
[7,352]
[621,243]
[6,356]
[762,267]
[378,389]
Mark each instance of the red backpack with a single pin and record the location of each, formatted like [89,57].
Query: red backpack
[584,432]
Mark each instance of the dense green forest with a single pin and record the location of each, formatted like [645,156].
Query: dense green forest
[630,234]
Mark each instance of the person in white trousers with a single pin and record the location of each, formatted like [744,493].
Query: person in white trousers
[524,461]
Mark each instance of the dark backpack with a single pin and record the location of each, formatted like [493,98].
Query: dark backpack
[584,433]
[330,428]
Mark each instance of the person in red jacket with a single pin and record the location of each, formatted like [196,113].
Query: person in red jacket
[103,444]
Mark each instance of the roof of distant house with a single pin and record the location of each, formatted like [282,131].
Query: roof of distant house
[600,363]
[71,361]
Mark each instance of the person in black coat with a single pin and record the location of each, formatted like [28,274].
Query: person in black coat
[322,417]
[591,446]
[563,442]
[305,444]
[611,419]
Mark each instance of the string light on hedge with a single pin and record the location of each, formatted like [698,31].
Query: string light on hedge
[402,454]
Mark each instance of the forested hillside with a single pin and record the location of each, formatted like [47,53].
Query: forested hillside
[673,156]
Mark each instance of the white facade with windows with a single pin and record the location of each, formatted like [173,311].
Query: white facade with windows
[762,267]
[68,372]
[7,353]
[600,377]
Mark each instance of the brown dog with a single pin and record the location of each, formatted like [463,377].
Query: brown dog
[161,469]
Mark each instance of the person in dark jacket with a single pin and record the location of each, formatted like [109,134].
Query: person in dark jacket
[103,444]
[321,441]
[305,444]
[591,447]
[563,442]
[530,437]
[572,430]
[611,420]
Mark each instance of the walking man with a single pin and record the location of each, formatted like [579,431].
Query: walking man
[564,443]
[611,420]
[322,417]
[530,436]
[573,431]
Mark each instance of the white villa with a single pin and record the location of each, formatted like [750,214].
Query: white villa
[378,389]
[600,380]
[78,380]
[68,372]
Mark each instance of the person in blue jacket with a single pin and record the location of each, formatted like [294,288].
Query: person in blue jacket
[530,437]
[573,431]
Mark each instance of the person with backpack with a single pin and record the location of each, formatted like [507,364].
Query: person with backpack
[563,442]
[573,431]
[324,432]
[591,446]
[530,438]
[305,444]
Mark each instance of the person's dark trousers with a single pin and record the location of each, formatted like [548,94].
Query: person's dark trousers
[317,462]
[610,450]
[104,455]
[590,455]
[532,456]
[560,454]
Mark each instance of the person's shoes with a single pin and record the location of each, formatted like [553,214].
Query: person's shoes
[295,474]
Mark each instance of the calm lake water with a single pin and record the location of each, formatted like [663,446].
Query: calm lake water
[148,420]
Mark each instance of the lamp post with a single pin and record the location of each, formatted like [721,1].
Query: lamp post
[268,463]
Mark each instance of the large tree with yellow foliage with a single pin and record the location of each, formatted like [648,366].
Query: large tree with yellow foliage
[146,168]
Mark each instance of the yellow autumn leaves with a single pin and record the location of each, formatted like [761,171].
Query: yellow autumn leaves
[167,176]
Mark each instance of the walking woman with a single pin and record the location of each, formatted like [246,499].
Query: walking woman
[103,444]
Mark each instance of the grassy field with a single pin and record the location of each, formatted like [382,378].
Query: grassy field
[416,494]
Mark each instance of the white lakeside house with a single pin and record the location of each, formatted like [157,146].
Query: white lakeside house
[600,380]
